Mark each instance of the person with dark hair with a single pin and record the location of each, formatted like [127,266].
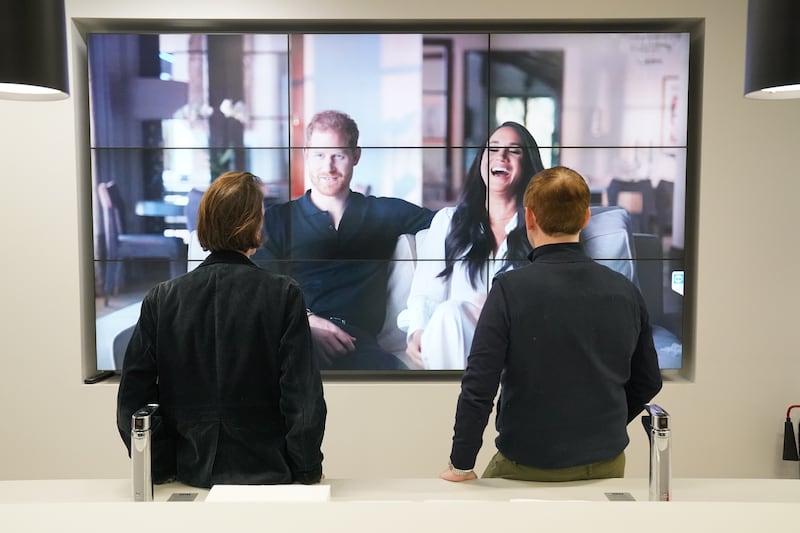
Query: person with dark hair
[226,352]
[570,343]
[481,236]
[337,244]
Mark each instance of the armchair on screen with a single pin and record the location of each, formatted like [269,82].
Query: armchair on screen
[122,246]
[610,240]
[639,199]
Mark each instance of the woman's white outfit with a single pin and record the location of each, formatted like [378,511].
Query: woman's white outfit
[447,310]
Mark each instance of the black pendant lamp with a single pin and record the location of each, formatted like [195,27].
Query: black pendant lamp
[772,67]
[33,50]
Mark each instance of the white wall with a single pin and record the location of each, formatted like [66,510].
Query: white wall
[727,422]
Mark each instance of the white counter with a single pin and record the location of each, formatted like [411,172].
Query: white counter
[411,506]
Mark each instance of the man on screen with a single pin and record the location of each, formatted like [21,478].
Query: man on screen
[571,343]
[337,243]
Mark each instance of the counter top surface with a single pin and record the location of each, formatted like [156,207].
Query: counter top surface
[410,505]
[428,490]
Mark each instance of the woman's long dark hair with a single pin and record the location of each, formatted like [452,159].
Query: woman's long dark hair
[470,226]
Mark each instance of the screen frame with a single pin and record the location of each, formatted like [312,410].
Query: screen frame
[695,27]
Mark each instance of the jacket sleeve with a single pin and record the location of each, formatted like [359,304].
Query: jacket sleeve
[481,378]
[645,381]
[138,387]
[412,218]
[302,402]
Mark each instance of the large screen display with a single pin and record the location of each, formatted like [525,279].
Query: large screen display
[171,111]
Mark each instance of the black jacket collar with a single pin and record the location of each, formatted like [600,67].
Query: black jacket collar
[226,256]
[565,251]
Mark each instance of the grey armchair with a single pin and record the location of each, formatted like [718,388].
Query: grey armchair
[121,246]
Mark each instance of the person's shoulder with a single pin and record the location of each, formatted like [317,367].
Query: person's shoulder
[512,275]
[277,212]
[447,212]
[276,277]
[605,270]
[611,276]
[506,280]
[381,199]
[254,273]
[277,216]
[443,217]
[278,284]
[279,209]
[170,287]
[398,215]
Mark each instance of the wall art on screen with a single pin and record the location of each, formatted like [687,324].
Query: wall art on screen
[171,111]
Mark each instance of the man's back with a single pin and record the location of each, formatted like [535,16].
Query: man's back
[240,393]
[570,342]
[576,334]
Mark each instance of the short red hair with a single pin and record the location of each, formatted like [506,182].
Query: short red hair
[559,198]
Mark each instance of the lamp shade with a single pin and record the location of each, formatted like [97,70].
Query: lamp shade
[772,67]
[33,50]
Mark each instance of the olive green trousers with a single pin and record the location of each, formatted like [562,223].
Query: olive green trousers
[503,467]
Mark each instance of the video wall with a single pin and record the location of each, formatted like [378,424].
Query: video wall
[169,112]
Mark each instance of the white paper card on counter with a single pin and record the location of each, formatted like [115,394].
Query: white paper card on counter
[269,493]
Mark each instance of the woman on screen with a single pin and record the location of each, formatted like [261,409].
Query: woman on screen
[466,246]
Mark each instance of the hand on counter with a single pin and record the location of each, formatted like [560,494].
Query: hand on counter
[449,475]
